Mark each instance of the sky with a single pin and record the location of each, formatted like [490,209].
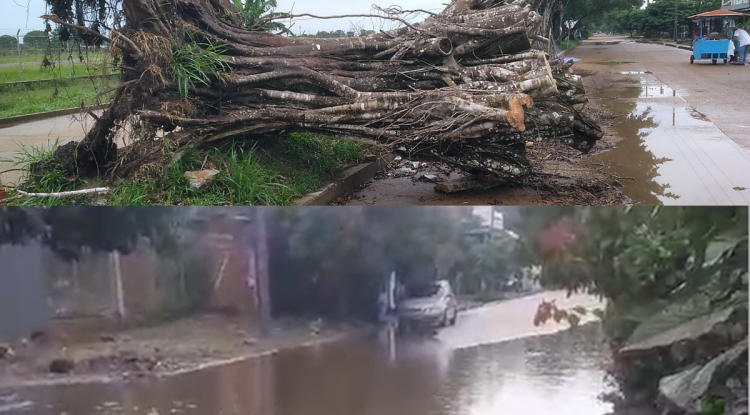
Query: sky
[24,14]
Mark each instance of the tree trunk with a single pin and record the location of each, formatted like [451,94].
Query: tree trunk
[464,86]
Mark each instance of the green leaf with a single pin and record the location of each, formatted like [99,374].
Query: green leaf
[686,389]
[668,329]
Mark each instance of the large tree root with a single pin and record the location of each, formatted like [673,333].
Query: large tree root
[464,86]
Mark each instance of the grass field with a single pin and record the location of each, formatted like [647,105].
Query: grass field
[274,174]
[28,57]
[33,72]
[49,96]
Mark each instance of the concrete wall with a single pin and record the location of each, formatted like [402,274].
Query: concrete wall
[24,302]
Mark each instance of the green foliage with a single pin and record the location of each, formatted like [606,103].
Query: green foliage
[197,63]
[8,43]
[671,276]
[35,39]
[69,229]
[334,261]
[257,15]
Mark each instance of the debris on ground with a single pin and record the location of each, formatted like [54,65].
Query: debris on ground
[201,179]
[159,350]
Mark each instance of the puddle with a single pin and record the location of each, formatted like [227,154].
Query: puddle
[631,92]
[669,155]
[491,362]
[614,62]
[635,72]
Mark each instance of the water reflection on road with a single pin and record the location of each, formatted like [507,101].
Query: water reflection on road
[459,371]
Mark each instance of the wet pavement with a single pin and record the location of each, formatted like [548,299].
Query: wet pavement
[684,129]
[494,361]
[37,134]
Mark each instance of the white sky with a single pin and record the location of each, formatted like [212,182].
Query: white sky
[24,14]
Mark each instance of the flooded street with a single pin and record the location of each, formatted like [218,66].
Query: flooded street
[683,128]
[493,361]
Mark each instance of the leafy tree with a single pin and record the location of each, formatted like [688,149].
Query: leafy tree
[69,229]
[8,42]
[257,12]
[35,39]
[334,261]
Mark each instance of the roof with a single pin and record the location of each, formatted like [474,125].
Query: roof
[718,13]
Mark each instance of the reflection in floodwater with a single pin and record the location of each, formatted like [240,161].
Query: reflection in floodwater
[670,153]
[560,373]
[639,92]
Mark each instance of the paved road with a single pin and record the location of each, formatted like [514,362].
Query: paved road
[492,362]
[39,134]
[685,128]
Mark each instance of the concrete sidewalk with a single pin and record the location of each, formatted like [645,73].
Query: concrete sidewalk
[41,133]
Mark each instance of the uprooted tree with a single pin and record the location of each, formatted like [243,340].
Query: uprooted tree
[466,86]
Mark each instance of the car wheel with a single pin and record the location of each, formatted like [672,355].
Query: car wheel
[455,317]
[444,321]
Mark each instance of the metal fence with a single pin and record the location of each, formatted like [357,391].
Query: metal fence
[23,52]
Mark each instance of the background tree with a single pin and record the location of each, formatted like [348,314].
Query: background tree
[67,230]
[35,39]
[8,43]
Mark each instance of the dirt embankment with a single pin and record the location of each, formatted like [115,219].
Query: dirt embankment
[181,346]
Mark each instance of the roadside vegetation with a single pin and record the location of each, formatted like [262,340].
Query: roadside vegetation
[676,285]
[272,174]
[37,97]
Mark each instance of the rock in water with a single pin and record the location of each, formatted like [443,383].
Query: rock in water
[61,366]
[201,179]
[6,351]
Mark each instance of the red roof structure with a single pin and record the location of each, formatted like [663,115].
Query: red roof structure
[718,13]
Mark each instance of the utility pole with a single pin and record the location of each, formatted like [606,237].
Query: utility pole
[676,25]
[18,43]
[492,223]
[261,267]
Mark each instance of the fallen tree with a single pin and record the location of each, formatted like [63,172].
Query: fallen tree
[465,86]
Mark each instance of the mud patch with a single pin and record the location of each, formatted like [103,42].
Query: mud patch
[614,63]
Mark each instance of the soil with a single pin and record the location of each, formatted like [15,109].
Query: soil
[181,346]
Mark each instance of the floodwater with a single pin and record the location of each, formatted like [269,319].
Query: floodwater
[670,153]
[494,361]
[682,127]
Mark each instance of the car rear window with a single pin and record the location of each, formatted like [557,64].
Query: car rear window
[423,290]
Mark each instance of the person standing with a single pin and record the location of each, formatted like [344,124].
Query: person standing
[743,43]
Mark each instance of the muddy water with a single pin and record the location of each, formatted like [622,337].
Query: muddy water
[670,153]
[492,362]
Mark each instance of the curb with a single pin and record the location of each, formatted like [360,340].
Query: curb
[20,119]
[671,45]
[353,178]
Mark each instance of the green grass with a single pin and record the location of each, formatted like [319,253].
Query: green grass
[568,43]
[32,72]
[49,96]
[38,56]
[276,174]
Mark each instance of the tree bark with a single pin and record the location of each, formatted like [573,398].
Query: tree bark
[464,86]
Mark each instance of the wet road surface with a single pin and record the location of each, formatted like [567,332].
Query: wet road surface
[494,361]
[37,134]
[685,129]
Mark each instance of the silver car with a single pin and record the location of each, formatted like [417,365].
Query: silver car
[433,304]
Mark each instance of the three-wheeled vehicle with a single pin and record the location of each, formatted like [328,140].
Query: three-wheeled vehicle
[712,36]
